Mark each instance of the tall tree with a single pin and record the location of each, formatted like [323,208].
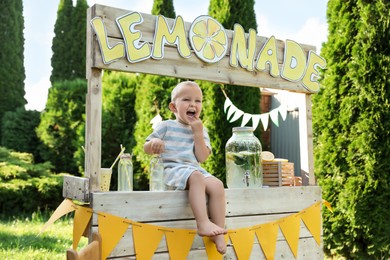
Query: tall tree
[118,117]
[164,7]
[62,59]
[228,13]
[78,48]
[352,129]
[61,122]
[12,73]
[153,96]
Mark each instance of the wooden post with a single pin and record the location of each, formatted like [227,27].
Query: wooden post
[93,113]
[306,142]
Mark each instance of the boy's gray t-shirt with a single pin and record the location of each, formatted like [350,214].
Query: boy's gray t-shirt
[178,156]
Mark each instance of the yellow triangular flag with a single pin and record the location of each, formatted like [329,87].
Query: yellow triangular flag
[80,222]
[242,240]
[267,235]
[312,219]
[211,250]
[111,229]
[64,208]
[327,204]
[290,228]
[179,242]
[146,240]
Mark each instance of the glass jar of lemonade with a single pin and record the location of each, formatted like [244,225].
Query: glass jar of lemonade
[243,162]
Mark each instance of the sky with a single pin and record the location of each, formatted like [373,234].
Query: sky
[303,21]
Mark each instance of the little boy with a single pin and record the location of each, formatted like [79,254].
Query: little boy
[183,144]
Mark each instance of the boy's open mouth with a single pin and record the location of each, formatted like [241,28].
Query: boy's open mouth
[190,113]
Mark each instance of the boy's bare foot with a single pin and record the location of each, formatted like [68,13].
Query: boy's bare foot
[209,229]
[220,243]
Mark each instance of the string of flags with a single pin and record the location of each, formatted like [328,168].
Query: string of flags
[234,113]
[147,237]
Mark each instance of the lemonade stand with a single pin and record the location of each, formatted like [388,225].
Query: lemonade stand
[263,223]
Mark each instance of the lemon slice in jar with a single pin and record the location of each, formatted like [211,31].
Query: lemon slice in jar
[267,156]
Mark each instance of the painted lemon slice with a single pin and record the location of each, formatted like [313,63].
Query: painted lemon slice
[208,39]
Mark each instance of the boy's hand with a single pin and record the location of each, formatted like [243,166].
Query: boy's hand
[196,125]
[157,146]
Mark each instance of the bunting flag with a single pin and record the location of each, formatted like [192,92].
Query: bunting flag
[290,227]
[211,250]
[234,113]
[327,204]
[64,208]
[179,242]
[146,239]
[111,228]
[242,240]
[312,219]
[267,235]
[274,115]
[82,216]
[156,120]
[245,119]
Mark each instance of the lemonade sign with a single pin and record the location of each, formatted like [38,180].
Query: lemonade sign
[208,40]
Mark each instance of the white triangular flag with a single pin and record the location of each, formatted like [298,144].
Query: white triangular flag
[155,121]
[274,114]
[231,111]
[255,121]
[283,111]
[227,104]
[237,115]
[245,119]
[264,120]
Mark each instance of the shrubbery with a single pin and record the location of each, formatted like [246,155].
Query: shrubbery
[26,187]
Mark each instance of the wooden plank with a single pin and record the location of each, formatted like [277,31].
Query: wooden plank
[93,114]
[126,246]
[147,28]
[307,249]
[149,206]
[193,68]
[76,188]
[306,142]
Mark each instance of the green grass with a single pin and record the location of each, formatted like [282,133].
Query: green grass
[20,239]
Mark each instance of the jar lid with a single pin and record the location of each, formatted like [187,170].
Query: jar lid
[243,129]
[126,155]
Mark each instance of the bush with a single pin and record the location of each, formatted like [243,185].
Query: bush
[18,131]
[26,187]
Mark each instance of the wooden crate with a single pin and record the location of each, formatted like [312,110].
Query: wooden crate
[279,173]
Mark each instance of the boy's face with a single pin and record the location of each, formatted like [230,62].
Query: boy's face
[188,104]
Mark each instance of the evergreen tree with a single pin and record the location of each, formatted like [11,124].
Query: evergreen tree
[62,59]
[78,49]
[61,122]
[351,124]
[12,73]
[153,96]
[118,118]
[164,7]
[227,13]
